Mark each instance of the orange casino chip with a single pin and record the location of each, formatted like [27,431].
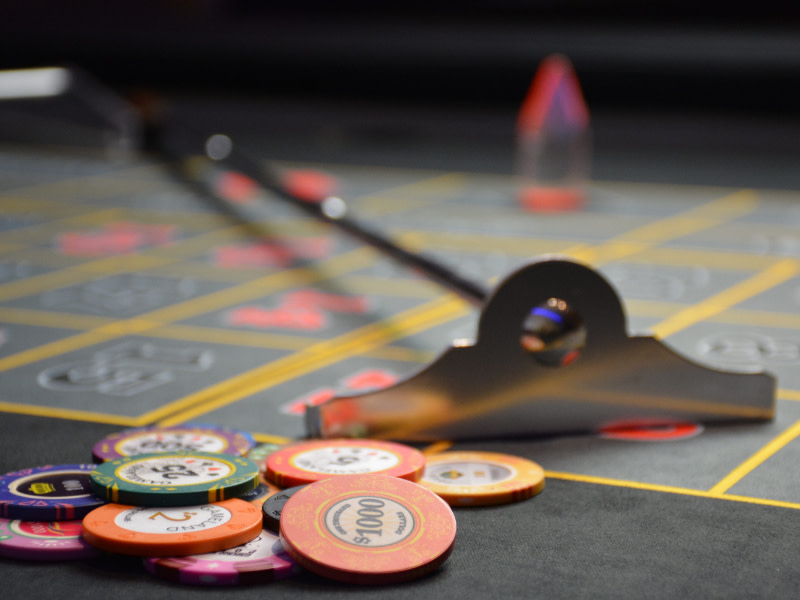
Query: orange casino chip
[367,529]
[307,462]
[482,478]
[173,530]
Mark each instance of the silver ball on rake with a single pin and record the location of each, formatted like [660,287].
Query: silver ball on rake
[553,334]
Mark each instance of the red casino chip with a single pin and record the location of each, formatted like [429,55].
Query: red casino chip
[650,430]
[307,462]
[368,529]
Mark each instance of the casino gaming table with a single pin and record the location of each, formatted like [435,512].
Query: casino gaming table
[171,311]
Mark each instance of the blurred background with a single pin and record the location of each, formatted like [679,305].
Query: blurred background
[675,76]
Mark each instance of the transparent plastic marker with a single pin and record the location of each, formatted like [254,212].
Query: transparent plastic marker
[554,140]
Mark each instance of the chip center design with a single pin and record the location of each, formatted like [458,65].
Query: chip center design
[469,473]
[180,519]
[171,442]
[369,521]
[46,530]
[53,485]
[174,471]
[346,460]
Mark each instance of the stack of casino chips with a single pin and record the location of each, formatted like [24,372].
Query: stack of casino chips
[205,505]
[41,511]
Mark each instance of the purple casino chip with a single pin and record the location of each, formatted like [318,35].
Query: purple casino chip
[260,560]
[44,540]
[148,440]
[48,493]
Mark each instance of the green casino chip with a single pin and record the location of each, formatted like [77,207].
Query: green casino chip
[260,453]
[174,478]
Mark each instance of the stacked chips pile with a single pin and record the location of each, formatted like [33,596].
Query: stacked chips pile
[41,510]
[204,505]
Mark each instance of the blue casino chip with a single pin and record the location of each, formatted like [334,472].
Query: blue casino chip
[48,493]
